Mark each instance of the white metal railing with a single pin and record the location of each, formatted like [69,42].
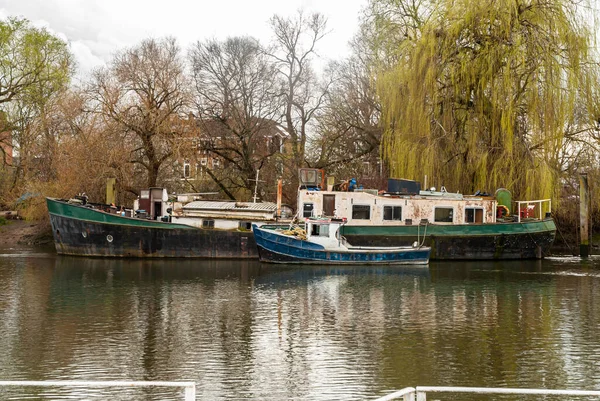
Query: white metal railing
[406,394]
[532,205]
[419,393]
[189,387]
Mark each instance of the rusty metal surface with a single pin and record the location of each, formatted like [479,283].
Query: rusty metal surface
[486,247]
[85,238]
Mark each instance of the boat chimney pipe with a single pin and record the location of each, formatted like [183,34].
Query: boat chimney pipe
[111,191]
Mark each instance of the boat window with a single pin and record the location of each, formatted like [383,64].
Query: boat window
[320,230]
[392,212]
[307,210]
[208,224]
[361,212]
[245,226]
[444,215]
[473,215]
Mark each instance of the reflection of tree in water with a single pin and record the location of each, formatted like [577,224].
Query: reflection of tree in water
[249,330]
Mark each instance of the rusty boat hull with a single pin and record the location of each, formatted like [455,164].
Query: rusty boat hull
[83,231]
[530,239]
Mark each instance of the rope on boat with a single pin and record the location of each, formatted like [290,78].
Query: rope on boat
[296,231]
[533,239]
[565,240]
[424,234]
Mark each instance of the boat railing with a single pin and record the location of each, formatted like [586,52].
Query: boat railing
[527,209]
[419,393]
[188,387]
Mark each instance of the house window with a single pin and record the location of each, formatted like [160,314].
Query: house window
[186,169]
[208,224]
[204,161]
[216,163]
[274,144]
[443,215]
[473,215]
[392,212]
[307,210]
[203,146]
[361,212]
[366,168]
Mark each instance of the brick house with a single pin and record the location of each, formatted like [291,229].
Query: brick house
[221,146]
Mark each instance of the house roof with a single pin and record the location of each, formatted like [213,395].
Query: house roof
[261,126]
[231,206]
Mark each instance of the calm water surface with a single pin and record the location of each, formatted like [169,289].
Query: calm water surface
[246,331]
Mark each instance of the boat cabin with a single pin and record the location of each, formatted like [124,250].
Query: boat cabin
[224,215]
[404,203]
[324,231]
[190,209]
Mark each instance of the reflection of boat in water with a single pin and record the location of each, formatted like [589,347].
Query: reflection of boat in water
[454,225]
[277,274]
[150,269]
[320,242]
[208,271]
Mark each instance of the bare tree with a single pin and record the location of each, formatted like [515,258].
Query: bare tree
[348,134]
[145,93]
[85,156]
[293,49]
[237,103]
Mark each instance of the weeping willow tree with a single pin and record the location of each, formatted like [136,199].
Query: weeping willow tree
[483,95]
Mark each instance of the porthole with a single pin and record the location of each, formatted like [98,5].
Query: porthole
[84,234]
[109,238]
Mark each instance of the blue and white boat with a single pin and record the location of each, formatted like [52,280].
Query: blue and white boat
[320,242]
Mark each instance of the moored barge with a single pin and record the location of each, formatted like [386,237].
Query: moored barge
[453,225]
[197,229]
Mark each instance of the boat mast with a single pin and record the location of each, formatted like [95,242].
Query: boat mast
[255,187]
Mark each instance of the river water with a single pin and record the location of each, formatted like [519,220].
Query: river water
[246,331]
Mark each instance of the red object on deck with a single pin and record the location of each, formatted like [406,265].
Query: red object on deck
[528,211]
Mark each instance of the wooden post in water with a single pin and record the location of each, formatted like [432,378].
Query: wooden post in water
[584,212]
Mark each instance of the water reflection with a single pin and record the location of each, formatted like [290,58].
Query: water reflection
[242,330]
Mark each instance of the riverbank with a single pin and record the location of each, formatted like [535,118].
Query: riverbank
[21,232]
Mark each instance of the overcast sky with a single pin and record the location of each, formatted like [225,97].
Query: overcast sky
[96,29]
